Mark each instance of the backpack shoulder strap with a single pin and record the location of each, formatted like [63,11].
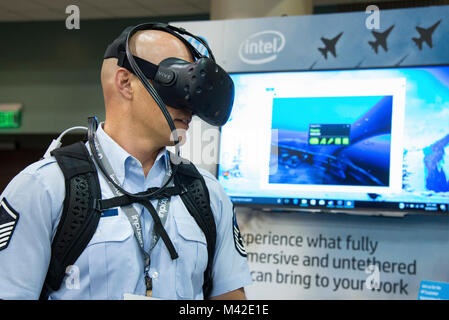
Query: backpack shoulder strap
[195,196]
[79,218]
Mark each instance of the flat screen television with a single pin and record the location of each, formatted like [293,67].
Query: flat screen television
[375,140]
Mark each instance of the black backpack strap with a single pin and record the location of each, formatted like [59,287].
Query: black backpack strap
[79,218]
[195,196]
[125,199]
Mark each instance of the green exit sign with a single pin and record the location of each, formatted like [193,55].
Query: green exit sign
[10,115]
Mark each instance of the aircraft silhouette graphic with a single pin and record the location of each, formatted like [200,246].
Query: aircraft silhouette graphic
[329,45]
[381,39]
[425,35]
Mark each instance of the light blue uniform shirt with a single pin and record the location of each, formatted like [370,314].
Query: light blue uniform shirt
[112,263]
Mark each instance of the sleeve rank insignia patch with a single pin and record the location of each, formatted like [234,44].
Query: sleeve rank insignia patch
[8,221]
[238,240]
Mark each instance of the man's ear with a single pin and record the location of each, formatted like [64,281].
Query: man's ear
[123,83]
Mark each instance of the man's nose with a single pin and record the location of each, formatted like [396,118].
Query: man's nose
[187,112]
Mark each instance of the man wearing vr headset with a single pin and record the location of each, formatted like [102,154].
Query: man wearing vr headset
[132,141]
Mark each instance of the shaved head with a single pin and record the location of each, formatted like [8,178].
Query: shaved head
[156,45]
[151,45]
[133,118]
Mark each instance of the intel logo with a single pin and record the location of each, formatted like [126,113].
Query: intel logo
[261,47]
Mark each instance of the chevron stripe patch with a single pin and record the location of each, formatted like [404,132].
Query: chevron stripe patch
[8,221]
[238,240]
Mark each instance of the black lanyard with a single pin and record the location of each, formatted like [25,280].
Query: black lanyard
[159,216]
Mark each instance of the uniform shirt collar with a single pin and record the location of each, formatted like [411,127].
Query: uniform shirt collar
[119,158]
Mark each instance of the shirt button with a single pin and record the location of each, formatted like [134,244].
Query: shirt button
[154,274]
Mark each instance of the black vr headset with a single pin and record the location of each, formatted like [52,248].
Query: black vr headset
[202,87]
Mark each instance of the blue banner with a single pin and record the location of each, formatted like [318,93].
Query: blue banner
[431,290]
[404,37]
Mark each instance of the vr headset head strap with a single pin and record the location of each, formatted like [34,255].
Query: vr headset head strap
[149,69]
[203,86]
[177,32]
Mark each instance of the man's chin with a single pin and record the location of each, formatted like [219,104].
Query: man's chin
[182,139]
[181,125]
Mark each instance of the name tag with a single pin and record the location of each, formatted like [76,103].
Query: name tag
[109,213]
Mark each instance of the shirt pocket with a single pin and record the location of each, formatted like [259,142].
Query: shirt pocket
[111,255]
[191,263]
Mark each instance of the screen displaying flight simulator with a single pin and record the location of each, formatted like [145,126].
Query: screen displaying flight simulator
[340,139]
